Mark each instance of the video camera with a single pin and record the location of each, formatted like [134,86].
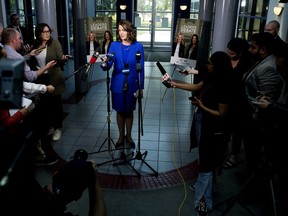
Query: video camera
[11,83]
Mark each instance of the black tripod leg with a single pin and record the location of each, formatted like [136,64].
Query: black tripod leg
[139,156]
[273,196]
[233,200]
[126,161]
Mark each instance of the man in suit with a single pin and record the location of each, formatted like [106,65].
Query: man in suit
[26,36]
[273,28]
[261,80]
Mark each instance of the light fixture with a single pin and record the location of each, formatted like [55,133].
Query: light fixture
[278,10]
[183,7]
[123,7]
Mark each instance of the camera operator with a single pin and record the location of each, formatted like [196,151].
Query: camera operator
[67,185]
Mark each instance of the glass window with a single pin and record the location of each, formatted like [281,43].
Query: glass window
[252,17]
[194,9]
[106,8]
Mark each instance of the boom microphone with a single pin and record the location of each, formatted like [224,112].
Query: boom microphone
[166,78]
[93,59]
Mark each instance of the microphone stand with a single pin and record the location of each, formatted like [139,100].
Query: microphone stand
[73,74]
[65,78]
[139,155]
[123,155]
[108,139]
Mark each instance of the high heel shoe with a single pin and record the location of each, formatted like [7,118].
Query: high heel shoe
[130,144]
[119,144]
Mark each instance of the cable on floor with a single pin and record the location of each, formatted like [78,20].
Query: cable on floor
[173,157]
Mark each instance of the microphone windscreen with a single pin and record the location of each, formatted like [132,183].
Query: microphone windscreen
[138,55]
[162,70]
[94,57]
[110,56]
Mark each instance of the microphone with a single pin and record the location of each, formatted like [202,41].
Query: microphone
[109,57]
[93,59]
[138,58]
[70,57]
[166,78]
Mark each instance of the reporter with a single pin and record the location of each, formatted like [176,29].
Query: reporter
[51,49]
[12,42]
[68,184]
[210,125]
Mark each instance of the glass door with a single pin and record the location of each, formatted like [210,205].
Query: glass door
[153,20]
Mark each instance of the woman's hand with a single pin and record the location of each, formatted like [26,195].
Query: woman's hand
[50,64]
[66,57]
[173,83]
[138,94]
[37,51]
[197,102]
[192,71]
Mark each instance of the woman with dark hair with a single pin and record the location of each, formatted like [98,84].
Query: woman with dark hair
[192,49]
[125,78]
[108,39]
[211,116]
[241,61]
[51,49]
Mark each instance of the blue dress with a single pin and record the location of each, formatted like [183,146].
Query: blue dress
[125,78]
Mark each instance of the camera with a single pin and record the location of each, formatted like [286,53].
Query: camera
[80,154]
[11,83]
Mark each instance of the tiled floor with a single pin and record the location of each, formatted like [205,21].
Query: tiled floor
[166,129]
[163,146]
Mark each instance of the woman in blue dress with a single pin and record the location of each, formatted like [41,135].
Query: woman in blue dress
[127,62]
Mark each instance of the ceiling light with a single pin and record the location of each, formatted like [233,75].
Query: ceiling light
[278,10]
[123,7]
[183,7]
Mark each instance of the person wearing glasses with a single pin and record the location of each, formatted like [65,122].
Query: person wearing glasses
[12,42]
[50,49]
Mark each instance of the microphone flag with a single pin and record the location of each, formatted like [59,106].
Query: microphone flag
[92,61]
[166,78]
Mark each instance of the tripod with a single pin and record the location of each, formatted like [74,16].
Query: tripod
[123,156]
[230,202]
[139,155]
[108,139]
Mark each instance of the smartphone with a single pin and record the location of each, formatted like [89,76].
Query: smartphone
[182,72]
[40,49]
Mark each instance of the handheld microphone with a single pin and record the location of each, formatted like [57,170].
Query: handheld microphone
[166,78]
[70,57]
[109,57]
[138,58]
[93,59]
